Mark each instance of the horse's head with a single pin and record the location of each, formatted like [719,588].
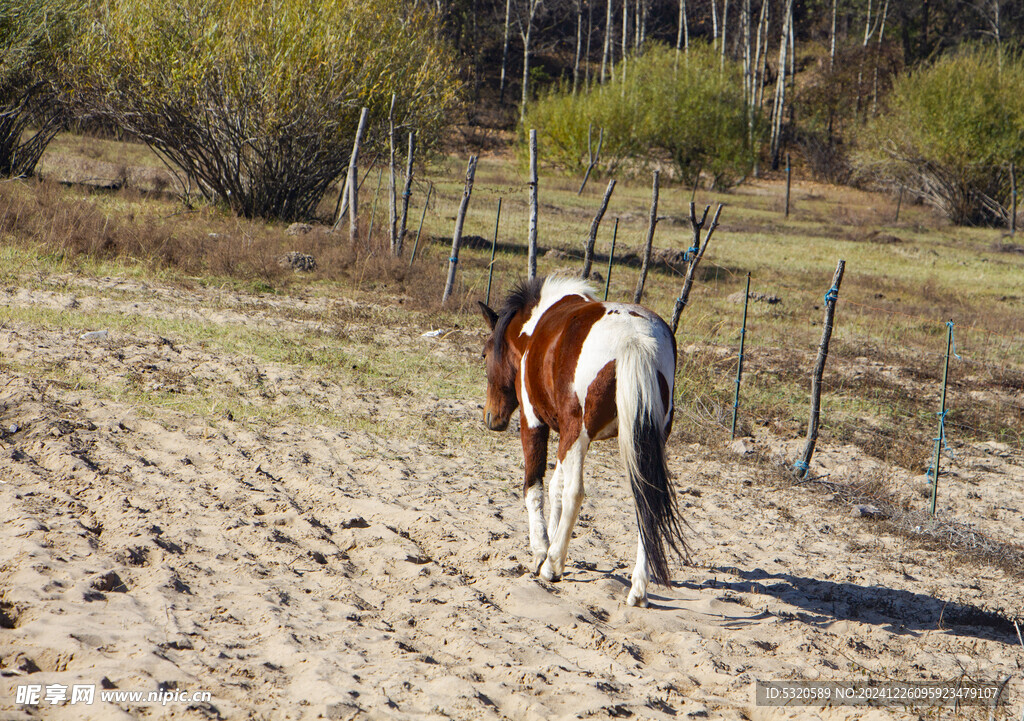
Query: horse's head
[502,365]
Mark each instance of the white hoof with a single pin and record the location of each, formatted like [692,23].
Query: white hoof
[538,561]
[548,573]
[637,599]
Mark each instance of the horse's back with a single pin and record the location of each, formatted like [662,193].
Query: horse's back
[571,359]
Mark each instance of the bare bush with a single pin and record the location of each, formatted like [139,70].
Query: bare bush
[32,33]
[257,103]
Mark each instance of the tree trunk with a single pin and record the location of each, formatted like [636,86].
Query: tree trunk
[607,42]
[683,29]
[725,28]
[779,104]
[832,38]
[526,69]
[590,31]
[579,46]
[625,40]
[504,53]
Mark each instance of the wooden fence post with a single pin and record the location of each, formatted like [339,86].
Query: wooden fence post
[588,253]
[739,368]
[696,253]
[426,204]
[457,235]
[940,439]
[1013,199]
[802,465]
[494,246]
[652,223]
[406,194]
[392,189]
[531,258]
[789,176]
[899,204]
[353,180]
[593,157]
[611,257]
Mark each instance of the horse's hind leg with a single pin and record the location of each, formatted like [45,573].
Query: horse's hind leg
[638,593]
[572,498]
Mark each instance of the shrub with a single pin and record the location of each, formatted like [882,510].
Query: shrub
[686,109]
[949,133]
[257,102]
[33,33]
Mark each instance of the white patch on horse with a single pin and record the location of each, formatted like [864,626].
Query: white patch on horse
[603,345]
[554,289]
[526,413]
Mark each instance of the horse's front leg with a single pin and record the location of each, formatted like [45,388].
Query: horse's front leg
[571,465]
[535,455]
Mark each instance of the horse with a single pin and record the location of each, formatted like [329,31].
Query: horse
[590,371]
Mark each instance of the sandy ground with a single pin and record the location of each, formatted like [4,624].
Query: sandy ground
[296,570]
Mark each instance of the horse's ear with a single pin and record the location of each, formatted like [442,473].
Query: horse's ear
[489,315]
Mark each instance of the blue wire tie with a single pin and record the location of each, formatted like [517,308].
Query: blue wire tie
[833,294]
[800,466]
[454,259]
[952,340]
[942,430]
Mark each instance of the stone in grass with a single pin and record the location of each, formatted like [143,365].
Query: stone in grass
[741,447]
[866,510]
[299,229]
[297,261]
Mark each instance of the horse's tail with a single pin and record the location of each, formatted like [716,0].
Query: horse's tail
[642,429]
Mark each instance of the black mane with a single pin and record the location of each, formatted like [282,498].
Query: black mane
[524,294]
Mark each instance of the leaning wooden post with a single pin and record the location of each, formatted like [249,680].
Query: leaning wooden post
[406,194]
[1013,199]
[940,439]
[789,176]
[426,204]
[588,253]
[494,247]
[695,253]
[392,190]
[651,224]
[611,257]
[457,235]
[801,466]
[593,157]
[353,180]
[899,204]
[739,367]
[531,258]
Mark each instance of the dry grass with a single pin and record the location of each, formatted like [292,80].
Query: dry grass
[131,227]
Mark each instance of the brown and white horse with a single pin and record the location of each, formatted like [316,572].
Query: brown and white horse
[589,371]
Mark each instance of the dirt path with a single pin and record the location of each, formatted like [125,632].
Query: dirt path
[298,569]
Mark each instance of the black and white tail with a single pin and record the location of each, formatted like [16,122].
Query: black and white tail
[642,421]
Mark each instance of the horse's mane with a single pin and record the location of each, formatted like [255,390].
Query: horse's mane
[524,294]
[542,291]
